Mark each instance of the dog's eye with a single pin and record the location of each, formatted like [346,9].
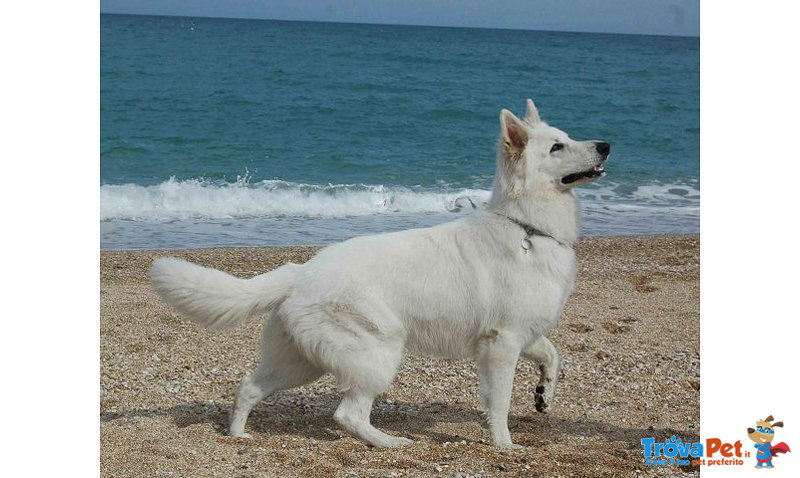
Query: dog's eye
[556,147]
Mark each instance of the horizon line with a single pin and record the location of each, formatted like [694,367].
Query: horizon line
[395,24]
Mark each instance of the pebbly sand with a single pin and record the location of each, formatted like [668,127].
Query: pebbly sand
[630,340]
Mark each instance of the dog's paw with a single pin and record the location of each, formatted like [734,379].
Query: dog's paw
[542,399]
[244,435]
[509,446]
[391,442]
[402,441]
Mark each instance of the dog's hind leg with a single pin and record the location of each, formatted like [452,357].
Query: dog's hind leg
[365,374]
[282,367]
[497,357]
[360,341]
[353,415]
[545,354]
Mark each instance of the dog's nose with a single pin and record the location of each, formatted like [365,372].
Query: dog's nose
[751,430]
[603,148]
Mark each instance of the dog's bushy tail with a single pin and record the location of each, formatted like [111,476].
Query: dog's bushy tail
[215,299]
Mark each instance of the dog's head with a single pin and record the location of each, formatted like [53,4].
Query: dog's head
[764,431]
[535,157]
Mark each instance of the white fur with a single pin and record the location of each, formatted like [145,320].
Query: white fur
[215,299]
[462,289]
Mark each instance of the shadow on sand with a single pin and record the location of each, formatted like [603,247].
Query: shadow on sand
[313,419]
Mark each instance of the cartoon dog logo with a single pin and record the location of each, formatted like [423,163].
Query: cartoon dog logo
[763,435]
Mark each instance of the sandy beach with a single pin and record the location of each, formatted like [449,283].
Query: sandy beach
[630,340]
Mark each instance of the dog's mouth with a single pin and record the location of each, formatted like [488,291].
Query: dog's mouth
[589,174]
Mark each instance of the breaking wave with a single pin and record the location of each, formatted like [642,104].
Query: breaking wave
[203,199]
[192,198]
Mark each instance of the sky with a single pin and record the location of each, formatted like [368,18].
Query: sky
[650,17]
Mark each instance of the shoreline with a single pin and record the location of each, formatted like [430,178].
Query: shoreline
[629,339]
[320,246]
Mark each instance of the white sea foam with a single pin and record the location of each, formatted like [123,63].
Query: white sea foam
[200,199]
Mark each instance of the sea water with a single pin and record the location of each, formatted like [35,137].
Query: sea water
[226,132]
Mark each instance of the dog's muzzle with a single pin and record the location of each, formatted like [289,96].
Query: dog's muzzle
[603,149]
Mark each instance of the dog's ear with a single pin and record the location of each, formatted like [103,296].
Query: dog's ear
[513,134]
[768,419]
[531,113]
[777,424]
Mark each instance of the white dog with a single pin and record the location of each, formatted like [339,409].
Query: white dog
[487,286]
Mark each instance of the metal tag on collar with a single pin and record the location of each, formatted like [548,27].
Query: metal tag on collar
[527,245]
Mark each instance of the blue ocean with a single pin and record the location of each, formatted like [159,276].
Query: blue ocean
[225,132]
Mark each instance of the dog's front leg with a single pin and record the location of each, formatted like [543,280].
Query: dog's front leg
[497,356]
[545,354]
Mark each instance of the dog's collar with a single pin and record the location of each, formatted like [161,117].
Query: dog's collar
[534,231]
